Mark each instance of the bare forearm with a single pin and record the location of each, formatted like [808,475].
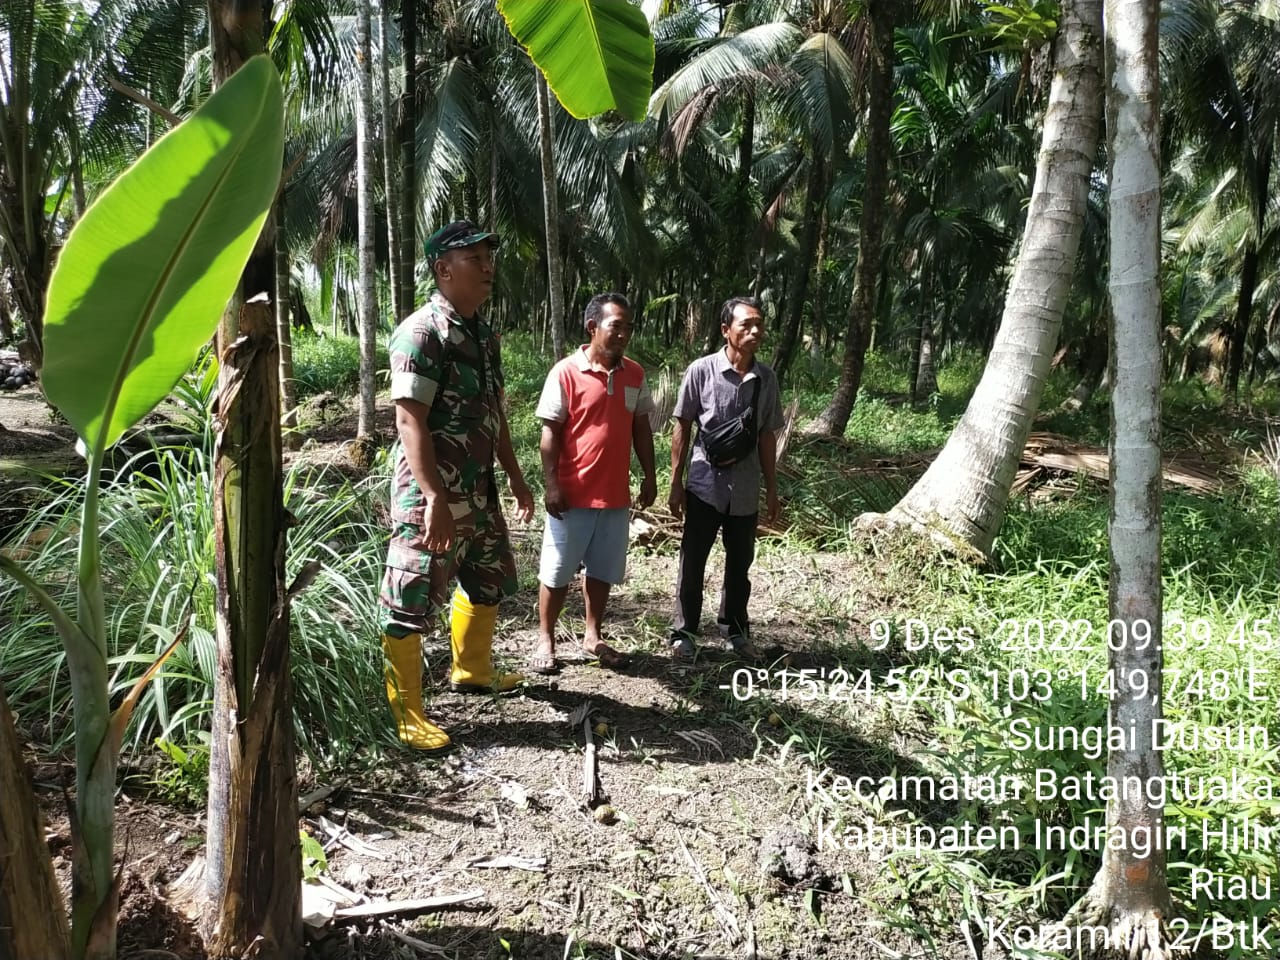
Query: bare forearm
[642,440]
[679,447]
[549,450]
[768,447]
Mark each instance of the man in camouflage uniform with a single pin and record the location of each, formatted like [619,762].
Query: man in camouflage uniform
[446,382]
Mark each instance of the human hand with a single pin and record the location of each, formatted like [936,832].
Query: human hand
[524,498]
[772,507]
[438,534]
[553,500]
[675,501]
[648,493]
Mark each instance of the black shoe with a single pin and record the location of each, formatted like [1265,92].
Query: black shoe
[683,648]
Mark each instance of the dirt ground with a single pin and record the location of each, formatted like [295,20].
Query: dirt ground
[706,843]
[703,846]
[701,849]
[28,429]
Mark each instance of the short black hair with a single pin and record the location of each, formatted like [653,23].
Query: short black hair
[726,312]
[596,305]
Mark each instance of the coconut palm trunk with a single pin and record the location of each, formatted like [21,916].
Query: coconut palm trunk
[924,380]
[253,873]
[815,196]
[364,214]
[738,253]
[1243,318]
[408,141]
[1130,894]
[866,272]
[1093,363]
[551,220]
[25,227]
[390,158]
[961,498]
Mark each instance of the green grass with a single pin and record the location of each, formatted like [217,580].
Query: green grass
[324,363]
[1220,574]
[158,556]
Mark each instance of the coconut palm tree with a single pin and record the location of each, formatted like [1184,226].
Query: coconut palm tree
[38,59]
[365,174]
[1130,895]
[787,75]
[1206,226]
[476,154]
[955,132]
[70,74]
[1223,65]
[961,497]
[391,161]
[551,220]
[881,18]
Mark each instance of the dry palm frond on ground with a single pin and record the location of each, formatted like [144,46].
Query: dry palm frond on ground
[1047,453]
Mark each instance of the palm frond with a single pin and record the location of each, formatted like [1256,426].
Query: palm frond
[749,52]
[448,136]
[822,98]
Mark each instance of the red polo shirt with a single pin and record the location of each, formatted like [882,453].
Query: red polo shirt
[597,408]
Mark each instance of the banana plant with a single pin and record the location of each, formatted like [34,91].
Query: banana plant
[138,289]
[597,55]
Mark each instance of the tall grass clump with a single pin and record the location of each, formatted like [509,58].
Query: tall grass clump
[1222,598]
[158,558]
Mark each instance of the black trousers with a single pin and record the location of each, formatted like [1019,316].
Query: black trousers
[701,524]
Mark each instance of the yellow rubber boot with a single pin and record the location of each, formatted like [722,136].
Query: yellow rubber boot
[404,693]
[471,637]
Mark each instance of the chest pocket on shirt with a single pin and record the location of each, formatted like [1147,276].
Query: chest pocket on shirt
[465,386]
[631,397]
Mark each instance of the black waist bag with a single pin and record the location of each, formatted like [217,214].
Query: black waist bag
[733,440]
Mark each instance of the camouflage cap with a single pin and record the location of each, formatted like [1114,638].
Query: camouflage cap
[460,233]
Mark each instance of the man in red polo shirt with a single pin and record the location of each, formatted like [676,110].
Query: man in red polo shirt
[594,409]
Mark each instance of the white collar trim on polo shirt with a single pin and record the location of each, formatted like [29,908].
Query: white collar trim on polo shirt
[723,364]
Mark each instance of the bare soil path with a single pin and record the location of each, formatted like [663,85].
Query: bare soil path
[707,846]
[708,843]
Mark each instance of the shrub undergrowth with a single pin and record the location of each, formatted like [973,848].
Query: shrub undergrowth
[328,363]
[158,554]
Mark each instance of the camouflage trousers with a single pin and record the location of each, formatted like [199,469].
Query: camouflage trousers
[415,582]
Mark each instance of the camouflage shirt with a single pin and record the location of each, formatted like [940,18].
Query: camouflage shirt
[454,367]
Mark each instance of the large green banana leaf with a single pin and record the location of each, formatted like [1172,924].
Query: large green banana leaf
[148,270]
[597,55]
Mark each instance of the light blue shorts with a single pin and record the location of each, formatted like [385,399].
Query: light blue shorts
[595,539]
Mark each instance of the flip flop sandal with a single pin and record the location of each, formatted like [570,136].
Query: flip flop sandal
[542,664]
[609,658]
